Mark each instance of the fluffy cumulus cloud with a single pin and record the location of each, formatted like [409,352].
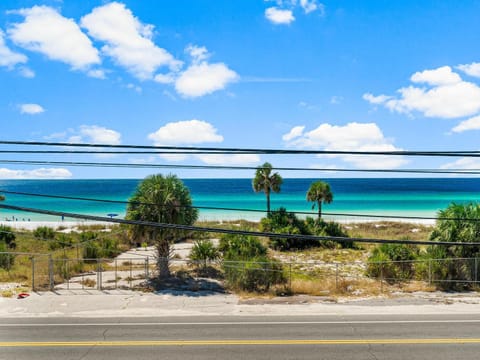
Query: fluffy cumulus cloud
[282,13]
[194,132]
[9,58]
[279,16]
[127,41]
[472,69]
[351,137]
[201,77]
[46,31]
[97,135]
[31,109]
[295,132]
[185,133]
[312,5]
[442,94]
[41,173]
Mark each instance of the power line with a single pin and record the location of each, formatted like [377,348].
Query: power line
[467,153]
[231,209]
[235,232]
[231,167]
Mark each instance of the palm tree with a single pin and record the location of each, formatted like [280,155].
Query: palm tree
[267,182]
[161,199]
[319,192]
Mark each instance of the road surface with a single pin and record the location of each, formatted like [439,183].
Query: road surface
[238,337]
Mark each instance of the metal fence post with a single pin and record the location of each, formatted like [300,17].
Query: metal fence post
[50,272]
[476,272]
[33,273]
[429,271]
[146,268]
[290,277]
[381,277]
[130,279]
[116,281]
[99,285]
[336,276]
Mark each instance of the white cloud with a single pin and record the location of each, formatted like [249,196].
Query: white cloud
[185,132]
[380,99]
[335,100]
[9,58]
[295,132]
[198,53]
[440,76]
[351,137]
[31,109]
[46,31]
[472,69]
[469,124]
[447,97]
[26,72]
[128,41]
[279,16]
[134,87]
[227,159]
[204,78]
[97,135]
[165,78]
[311,5]
[97,73]
[41,173]
[466,163]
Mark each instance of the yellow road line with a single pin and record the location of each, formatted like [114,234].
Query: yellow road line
[236,342]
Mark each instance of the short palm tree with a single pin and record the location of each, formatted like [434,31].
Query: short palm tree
[161,199]
[267,182]
[319,192]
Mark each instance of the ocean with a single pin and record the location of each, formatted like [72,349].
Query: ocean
[391,197]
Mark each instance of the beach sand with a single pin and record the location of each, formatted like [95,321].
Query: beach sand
[66,225]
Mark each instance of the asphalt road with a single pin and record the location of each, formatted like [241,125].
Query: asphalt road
[273,337]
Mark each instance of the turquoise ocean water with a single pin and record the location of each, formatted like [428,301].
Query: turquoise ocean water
[410,197]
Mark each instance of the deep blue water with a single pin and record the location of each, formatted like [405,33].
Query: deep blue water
[416,197]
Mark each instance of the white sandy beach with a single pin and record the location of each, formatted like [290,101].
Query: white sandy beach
[32,225]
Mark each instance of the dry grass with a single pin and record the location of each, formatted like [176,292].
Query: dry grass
[340,287]
[389,230]
[88,283]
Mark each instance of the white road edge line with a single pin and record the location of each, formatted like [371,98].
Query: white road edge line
[359,322]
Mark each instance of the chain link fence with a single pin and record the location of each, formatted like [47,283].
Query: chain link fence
[41,272]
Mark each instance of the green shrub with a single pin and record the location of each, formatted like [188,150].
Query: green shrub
[246,264]
[61,241]
[92,250]
[109,248]
[44,233]
[204,251]
[257,274]
[392,262]
[283,222]
[6,260]
[7,236]
[319,227]
[457,223]
[241,247]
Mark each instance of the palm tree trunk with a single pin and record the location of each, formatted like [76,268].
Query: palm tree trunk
[268,201]
[319,210]
[163,252]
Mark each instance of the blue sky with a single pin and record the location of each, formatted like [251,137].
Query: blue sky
[299,74]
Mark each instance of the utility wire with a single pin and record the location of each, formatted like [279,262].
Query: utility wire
[250,150]
[235,232]
[231,209]
[231,167]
